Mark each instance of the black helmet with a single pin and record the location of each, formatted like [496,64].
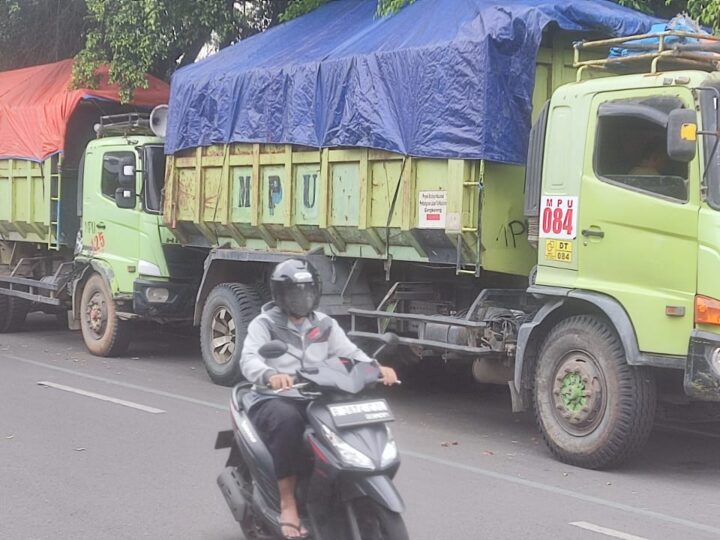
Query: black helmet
[295,287]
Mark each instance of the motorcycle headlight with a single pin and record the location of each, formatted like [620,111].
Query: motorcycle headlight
[390,453]
[349,455]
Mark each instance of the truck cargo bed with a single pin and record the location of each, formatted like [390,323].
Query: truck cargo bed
[359,202]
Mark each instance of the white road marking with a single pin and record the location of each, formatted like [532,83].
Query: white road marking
[548,488]
[122,384]
[101,397]
[604,530]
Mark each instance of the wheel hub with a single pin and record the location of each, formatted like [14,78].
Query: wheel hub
[96,315]
[223,336]
[578,393]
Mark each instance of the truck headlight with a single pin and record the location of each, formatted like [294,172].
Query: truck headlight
[157,295]
[349,455]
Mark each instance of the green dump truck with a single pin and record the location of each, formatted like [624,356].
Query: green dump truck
[586,282]
[81,233]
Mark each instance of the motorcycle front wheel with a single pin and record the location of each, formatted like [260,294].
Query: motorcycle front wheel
[375,522]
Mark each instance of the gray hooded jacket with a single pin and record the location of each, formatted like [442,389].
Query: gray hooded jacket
[271,324]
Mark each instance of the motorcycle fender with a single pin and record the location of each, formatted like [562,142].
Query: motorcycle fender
[225,439]
[379,488]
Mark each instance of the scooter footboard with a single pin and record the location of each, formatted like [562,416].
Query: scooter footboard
[379,488]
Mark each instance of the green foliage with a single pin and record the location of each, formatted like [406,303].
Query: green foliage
[39,31]
[301,7]
[387,7]
[706,12]
[136,36]
[150,36]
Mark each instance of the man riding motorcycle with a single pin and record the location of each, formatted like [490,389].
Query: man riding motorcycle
[279,418]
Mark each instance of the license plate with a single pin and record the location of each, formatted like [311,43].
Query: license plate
[359,413]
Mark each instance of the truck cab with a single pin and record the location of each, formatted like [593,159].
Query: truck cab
[629,210]
[133,267]
[622,186]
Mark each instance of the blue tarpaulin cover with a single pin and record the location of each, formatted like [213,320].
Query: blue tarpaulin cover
[441,78]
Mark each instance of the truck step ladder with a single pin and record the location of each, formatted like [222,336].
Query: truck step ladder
[55,192]
[472,196]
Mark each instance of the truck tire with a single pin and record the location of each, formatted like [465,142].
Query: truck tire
[13,312]
[593,409]
[228,311]
[103,332]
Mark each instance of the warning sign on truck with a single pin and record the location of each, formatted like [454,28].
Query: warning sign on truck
[432,209]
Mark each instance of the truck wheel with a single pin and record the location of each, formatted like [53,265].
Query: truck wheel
[103,332]
[593,409]
[229,309]
[13,312]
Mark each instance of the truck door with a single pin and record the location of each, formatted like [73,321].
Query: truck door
[110,216]
[638,216]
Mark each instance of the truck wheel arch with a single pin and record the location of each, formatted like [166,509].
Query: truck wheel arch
[560,304]
[217,271]
[89,268]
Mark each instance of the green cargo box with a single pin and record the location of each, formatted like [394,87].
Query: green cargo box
[29,200]
[359,202]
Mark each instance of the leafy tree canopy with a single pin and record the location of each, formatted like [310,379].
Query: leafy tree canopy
[158,36]
[136,36]
[706,12]
[301,7]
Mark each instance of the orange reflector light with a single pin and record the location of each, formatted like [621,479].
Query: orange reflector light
[707,310]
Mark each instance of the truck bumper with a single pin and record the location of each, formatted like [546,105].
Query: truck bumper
[702,372]
[164,300]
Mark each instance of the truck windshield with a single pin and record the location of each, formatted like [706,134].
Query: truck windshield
[154,173]
[709,96]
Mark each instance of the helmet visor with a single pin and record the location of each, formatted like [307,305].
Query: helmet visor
[301,299]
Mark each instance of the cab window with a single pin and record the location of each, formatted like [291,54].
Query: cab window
[113,163]
[631,149]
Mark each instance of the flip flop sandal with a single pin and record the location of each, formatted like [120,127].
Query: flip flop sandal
[298,528]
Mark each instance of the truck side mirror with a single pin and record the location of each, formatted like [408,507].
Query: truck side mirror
[125,197]
[682,135]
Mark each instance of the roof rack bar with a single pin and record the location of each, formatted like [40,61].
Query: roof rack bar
[131,123]
[703,55]
[619,40]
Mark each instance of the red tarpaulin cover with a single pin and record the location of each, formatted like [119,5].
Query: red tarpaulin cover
[36,104]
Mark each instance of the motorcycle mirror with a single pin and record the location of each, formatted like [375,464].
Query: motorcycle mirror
[319,332]
[273,349]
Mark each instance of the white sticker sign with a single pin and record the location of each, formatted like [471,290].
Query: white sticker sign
[558,217]
[432,209]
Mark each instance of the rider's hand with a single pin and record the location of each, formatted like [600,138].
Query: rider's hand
[389,377]
[280,381]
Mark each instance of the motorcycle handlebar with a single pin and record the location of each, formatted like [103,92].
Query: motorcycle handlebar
[304,384]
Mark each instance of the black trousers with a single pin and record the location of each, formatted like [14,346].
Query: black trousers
[281,424]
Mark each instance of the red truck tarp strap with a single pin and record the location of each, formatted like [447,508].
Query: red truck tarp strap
[36,104]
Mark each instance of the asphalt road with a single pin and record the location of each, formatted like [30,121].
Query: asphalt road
[74,465]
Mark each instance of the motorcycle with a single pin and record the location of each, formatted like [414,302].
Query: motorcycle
[347,492]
